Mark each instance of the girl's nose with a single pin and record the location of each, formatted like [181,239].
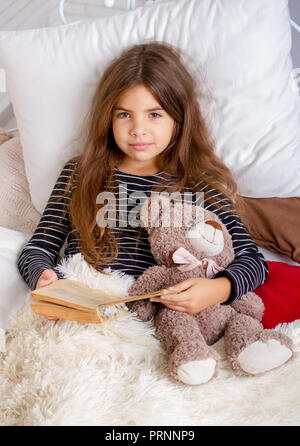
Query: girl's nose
[137,128]
[137,132]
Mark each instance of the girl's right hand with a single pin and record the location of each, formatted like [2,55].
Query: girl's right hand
[48,276]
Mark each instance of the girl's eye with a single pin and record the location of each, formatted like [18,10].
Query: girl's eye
[122,115]
[155,115]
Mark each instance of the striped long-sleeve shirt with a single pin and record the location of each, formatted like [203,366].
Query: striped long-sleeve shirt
[49,244]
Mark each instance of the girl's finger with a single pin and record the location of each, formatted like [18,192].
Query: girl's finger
[175,299]
[182,286]
[180,300]
[43,284]
[176,308]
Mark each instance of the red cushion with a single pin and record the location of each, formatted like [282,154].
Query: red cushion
[280,294]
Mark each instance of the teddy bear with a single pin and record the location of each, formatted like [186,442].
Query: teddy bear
[189,241]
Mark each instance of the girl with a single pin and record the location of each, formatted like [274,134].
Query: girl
[145,132]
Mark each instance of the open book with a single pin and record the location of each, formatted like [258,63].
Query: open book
[75,301]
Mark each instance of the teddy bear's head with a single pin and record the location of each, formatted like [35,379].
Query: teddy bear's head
[179,229]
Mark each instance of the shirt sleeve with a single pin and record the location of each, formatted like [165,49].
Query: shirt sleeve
[42,250]
[249,268]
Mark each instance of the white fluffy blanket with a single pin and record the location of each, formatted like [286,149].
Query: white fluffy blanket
[115,374]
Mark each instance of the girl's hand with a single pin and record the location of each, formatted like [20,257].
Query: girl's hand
[195,294]
[48,276]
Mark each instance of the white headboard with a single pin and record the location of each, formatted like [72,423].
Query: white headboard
[130,4]
[127,4]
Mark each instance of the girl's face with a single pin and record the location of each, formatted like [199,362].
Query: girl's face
[142,130]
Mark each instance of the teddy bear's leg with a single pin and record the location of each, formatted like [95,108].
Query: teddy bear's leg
[250,304]
[191,361]
[253,350]
[213,321]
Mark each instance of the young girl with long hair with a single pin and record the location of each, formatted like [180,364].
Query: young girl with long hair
[145,131]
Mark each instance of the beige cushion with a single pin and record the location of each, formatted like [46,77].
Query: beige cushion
[16,209]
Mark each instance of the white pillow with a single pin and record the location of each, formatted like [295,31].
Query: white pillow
[243,46]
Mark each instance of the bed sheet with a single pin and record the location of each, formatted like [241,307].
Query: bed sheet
[274,257]
[12,286]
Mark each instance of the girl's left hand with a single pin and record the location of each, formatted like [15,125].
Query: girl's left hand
[195,294]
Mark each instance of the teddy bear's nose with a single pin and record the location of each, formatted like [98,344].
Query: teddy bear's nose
[214,224]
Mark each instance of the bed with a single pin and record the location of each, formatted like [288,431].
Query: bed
[115,374]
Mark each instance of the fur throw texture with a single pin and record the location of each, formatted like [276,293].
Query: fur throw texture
[116,374]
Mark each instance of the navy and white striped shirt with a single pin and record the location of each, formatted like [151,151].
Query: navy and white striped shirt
[48,245]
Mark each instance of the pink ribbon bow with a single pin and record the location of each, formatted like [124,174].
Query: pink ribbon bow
[189,262]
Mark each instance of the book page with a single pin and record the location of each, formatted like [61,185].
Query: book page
[79,295]
[65,290]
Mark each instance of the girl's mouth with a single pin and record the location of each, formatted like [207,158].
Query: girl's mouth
[140,146]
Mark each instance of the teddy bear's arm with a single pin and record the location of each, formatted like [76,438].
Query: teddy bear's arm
[153,278]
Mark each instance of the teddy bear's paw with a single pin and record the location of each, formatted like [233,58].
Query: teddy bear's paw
[260,357]
[193,362]
[144,309]
[197,372]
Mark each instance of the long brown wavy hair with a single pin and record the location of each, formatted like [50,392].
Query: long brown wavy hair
[190,157]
